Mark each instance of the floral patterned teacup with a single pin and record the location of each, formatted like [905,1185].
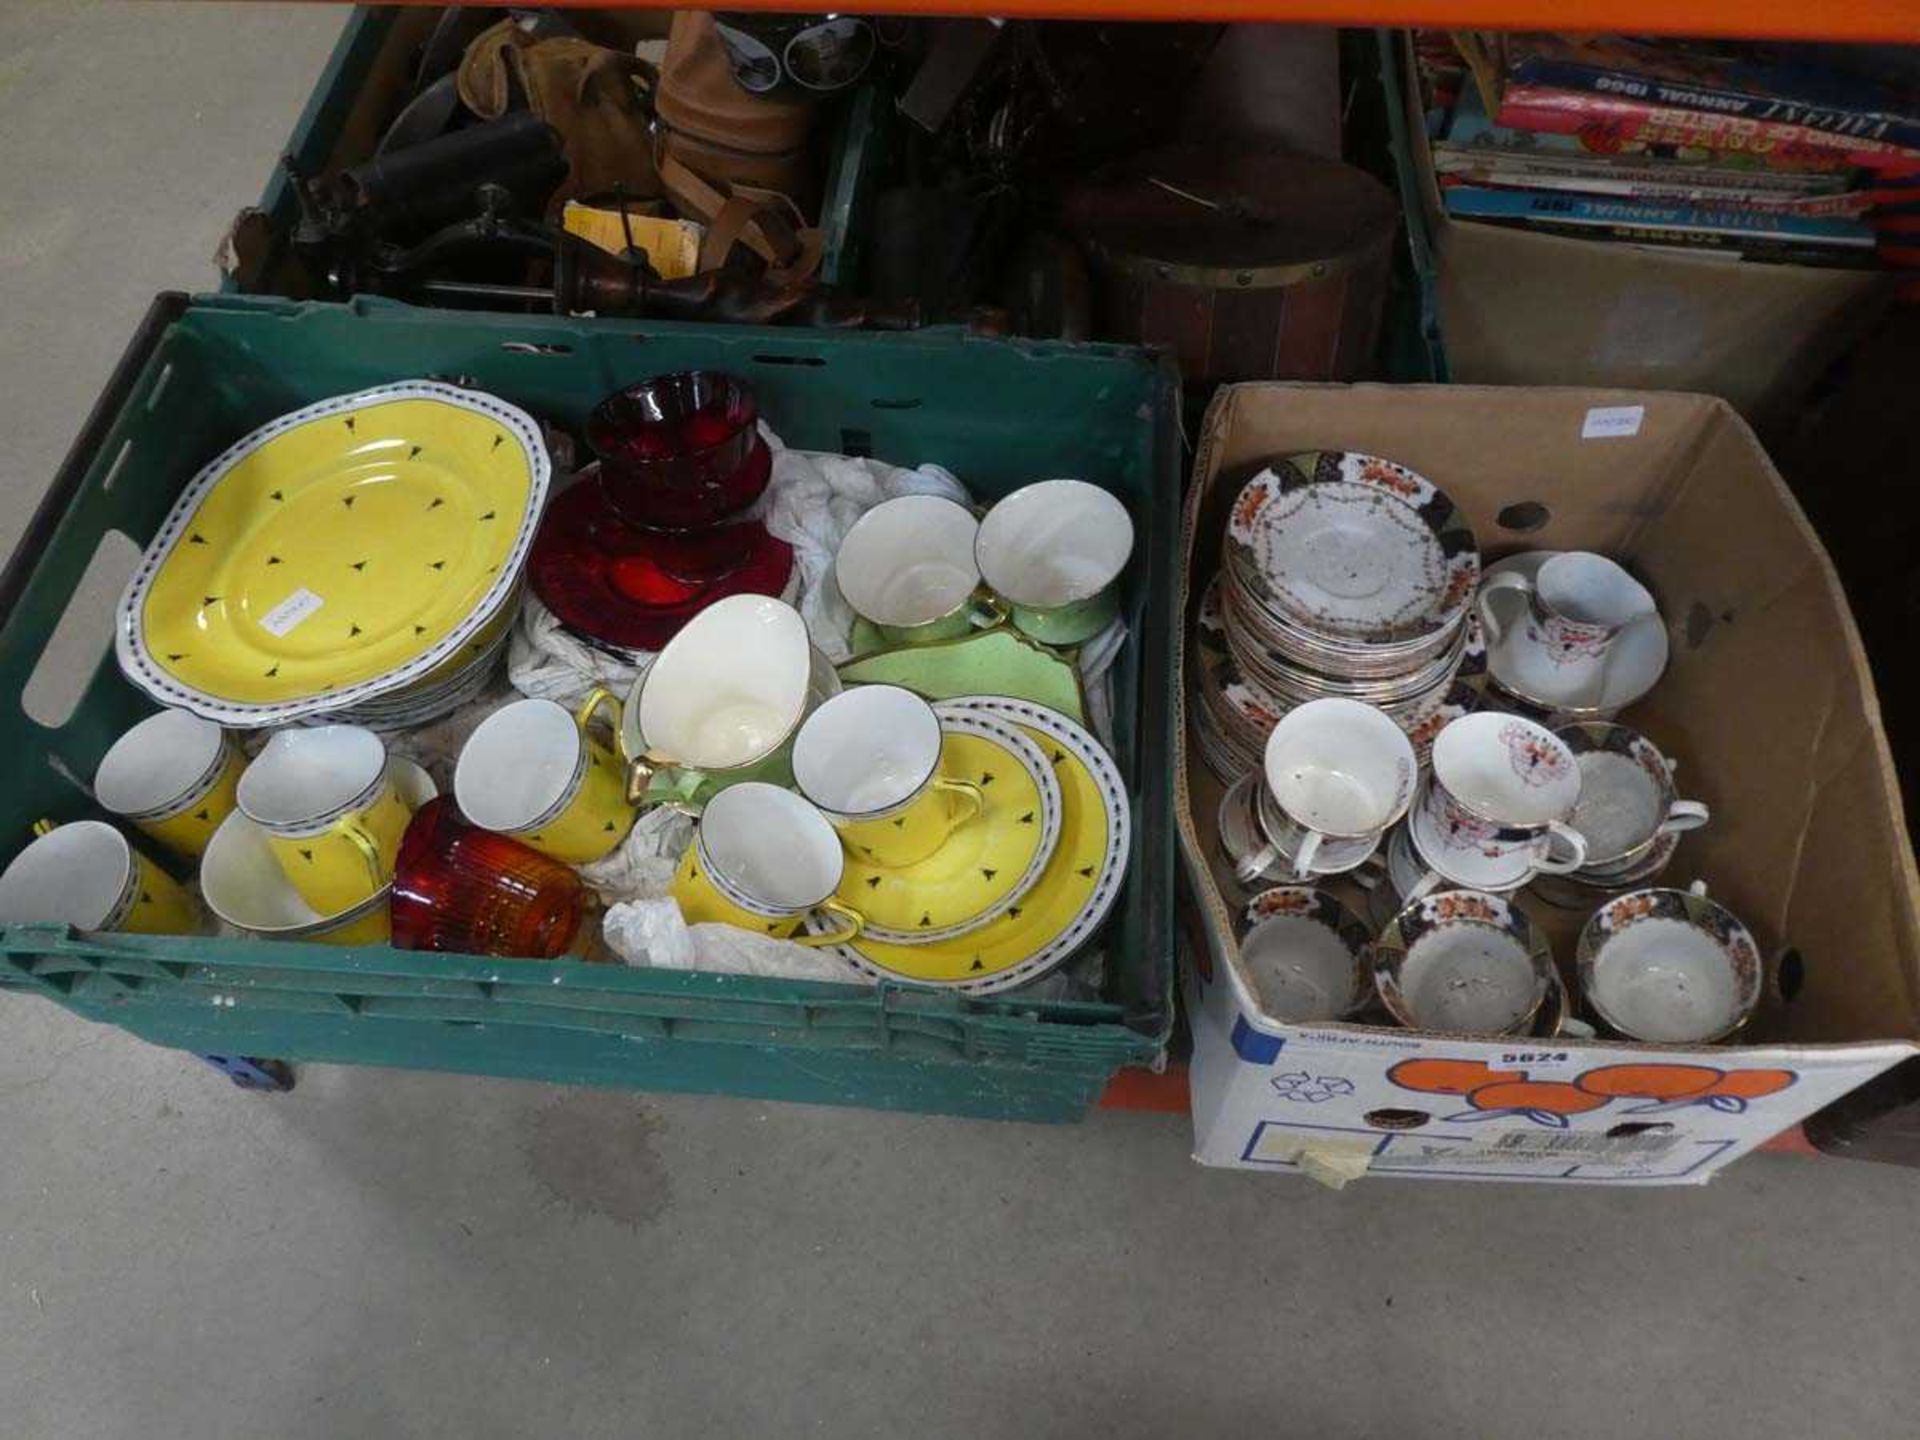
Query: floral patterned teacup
[1575,605]
[1463,962]
[1496,808]
[1669,966]
[1310,957]
[1627,796]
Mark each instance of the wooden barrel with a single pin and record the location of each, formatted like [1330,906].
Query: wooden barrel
[1248,266]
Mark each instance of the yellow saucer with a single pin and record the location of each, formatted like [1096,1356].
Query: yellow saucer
[986,864]
[346,550]
[1074,893]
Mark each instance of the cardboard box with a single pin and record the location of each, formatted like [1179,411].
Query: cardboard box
[1519,308]
[1769,707]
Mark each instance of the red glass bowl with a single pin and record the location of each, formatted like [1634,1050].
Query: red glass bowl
[462,889]
[631,589]
[680,451]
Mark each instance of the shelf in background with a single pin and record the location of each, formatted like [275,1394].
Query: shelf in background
[1858,20]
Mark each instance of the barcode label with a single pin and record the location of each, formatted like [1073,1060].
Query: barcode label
[1607,1147]
[283,618]
[1612,422]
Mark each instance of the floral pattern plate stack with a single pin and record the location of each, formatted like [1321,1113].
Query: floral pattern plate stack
[1341,575]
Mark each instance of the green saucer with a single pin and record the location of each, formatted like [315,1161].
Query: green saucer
[1000,661]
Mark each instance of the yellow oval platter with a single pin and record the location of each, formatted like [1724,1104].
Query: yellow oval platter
[341,552]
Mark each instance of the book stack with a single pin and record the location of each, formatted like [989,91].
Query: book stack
[1748,153]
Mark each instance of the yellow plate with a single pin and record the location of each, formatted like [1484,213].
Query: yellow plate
[987,864]
[1075,891]
[341,552]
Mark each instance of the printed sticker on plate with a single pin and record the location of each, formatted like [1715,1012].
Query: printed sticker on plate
[283,619]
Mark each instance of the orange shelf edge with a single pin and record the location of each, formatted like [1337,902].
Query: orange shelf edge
[1165,1093]
[1858,20]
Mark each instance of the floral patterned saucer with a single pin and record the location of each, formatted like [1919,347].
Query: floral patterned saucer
[1354,550]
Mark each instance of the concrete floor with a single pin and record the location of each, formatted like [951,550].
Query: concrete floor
[393,1255]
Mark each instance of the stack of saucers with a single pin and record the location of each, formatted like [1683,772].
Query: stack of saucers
[1231,715]
[1341,575]
[456,681]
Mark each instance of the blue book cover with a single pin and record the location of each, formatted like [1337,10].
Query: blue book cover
[1734,224]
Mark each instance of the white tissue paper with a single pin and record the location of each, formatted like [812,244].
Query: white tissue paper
[642,868]
[1096,678]
[654,929]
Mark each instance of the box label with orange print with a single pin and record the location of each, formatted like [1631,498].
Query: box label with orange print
[1267,1095]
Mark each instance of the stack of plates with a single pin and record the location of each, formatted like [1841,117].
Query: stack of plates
[456,681]
[1341,575]
[358,559]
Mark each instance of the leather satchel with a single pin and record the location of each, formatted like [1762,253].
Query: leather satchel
[717,130]
[593,96]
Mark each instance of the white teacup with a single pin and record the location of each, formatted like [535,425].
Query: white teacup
[1575,605]
[1498,804]
[1338,773]
[1669,966]
[1054,552]
[722,702]
[907,568]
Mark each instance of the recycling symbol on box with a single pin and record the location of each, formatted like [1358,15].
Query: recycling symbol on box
[1298,1085]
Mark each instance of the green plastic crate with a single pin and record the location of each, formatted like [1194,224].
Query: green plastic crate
[1000,413]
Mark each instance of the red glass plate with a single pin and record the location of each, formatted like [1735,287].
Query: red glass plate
[634,589]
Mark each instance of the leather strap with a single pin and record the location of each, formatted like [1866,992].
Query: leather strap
[759,219]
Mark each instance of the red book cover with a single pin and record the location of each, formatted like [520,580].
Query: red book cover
[1606,123]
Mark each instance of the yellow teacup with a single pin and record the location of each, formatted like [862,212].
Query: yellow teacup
[86,875]
[244,886]
[534,772]
[870,759]
[333,814]
[173,776]
[763,860]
